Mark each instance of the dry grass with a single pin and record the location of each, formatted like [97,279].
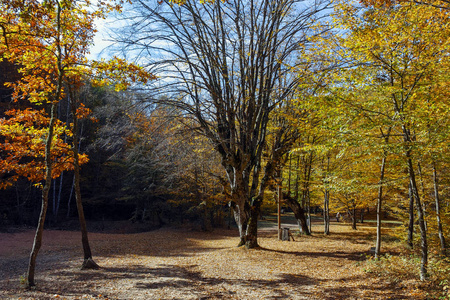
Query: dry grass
[184,264]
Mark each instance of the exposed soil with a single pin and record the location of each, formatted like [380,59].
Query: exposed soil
[179,263]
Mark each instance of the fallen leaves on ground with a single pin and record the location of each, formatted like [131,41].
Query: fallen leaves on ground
[175,263]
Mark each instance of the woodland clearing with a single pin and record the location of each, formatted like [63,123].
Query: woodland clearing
[179,263]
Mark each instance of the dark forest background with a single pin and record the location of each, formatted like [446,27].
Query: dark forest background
[144,167]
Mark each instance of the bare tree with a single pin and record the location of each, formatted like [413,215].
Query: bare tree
[225,64]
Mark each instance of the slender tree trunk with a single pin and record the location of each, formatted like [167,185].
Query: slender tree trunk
[438,210]
[54,201]
[48,158]
[422,187]
[379,207]
[410,239]
[70,197]
[88,262]
[296,194]
[308,194]
[309,214]
[423,232]
[415,193]
[45,191]
[297,178]
[354,216]
[326,204]
[326,213]
[289,175]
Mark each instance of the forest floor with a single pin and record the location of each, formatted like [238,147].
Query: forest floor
[179,263]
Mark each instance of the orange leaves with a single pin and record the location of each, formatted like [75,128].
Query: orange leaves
[23,147]
[49,41]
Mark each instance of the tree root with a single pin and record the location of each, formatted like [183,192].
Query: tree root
[89,263]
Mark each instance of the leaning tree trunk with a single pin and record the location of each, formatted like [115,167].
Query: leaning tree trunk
[88,262]
[299,213]
[45,191]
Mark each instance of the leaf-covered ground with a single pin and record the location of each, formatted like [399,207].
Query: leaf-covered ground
[178,263]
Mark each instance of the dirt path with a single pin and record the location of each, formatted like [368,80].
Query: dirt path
[183,264]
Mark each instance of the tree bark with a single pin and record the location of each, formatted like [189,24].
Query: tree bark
[326,202]
[423,233]
[353,214]
[45,191]
[326,213]
[88,262]
[233,78]
[48,157]
[251,237]
[379,207]
[37,243]
[410,239]
[299,213]
[438,211]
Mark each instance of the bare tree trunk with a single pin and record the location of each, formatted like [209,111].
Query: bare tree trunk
[45,191]
[297,178]
[379,207]
[326,204]
[240,215]
[351,211]
[423,233]
[299,213]
[88,262]
[70,197]
[438,210]
[48,158]
[233,78]
[309,213]
[326,213]
[251,240]
[422,187]
[410,239]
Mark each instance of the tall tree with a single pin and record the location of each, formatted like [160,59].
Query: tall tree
[49,40]
[224,64]
[400,50]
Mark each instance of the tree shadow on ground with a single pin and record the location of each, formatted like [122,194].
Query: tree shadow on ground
[353,256]
[176,242]
[190,282]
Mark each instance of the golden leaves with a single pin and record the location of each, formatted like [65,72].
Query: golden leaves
[118,72]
